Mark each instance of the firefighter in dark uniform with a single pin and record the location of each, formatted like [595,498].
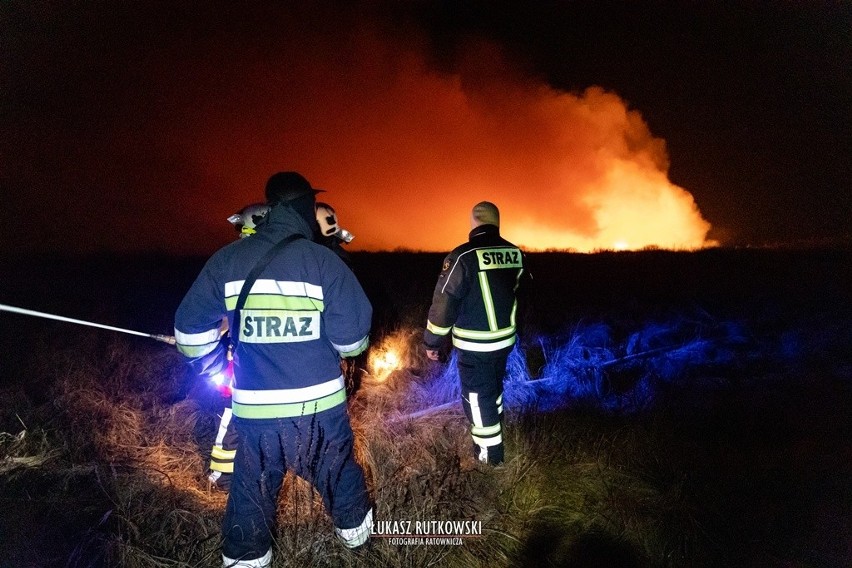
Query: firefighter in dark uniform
[475,300]
[304,312]
[246,222]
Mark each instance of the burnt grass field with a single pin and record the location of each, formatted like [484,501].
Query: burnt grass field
[663,409]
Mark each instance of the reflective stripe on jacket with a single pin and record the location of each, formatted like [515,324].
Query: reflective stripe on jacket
[304,312]
[475,297]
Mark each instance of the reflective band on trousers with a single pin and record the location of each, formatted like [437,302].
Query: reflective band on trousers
[475,414]
[488,442]
[356,536]
[264,561]
[485,430]
[222,454]
[288,403]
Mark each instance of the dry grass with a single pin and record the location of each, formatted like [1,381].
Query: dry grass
[123,448]
[655,442]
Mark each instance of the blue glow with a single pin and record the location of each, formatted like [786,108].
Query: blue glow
[597,365]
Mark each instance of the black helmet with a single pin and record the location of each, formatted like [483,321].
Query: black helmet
[288,186]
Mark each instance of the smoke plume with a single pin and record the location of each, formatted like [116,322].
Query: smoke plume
[158,141]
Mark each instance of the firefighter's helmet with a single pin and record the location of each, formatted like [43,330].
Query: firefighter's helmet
[247,219]
[327,219]
[288,186]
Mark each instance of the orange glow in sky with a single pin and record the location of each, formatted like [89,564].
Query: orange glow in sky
[403,148]
[405,152]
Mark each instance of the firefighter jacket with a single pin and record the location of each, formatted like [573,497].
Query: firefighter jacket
[305,310]
[475,297]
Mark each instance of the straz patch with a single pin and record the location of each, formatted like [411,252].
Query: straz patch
[446,265]
[279,326]
[490,259]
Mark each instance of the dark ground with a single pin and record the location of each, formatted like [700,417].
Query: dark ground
[763,442]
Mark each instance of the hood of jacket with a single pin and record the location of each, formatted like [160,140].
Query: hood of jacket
[283,221]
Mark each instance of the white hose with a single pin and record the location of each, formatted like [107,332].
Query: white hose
[164,338]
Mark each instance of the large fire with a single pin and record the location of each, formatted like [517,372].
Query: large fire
[404,149]
[577,171]
[632,209]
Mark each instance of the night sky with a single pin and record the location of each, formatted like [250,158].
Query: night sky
[142,126]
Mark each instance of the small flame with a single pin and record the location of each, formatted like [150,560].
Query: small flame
[389,355]
[383,363]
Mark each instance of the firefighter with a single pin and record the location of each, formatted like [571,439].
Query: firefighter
[475,301]
[303,313]
[245,221]
[331,234]
[224,450]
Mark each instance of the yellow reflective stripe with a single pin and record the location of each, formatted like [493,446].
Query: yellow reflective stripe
[437,330]
[485,430]
[483,347]
[292,410]
[488,301]
[223,467]
[276,302]
[475,334]
[222,454]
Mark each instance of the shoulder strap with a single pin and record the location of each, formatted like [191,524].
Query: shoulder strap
[250,279]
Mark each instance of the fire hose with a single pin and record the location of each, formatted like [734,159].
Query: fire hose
[164,338]
[220,381]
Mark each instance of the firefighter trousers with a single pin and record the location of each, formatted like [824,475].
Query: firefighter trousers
[317,448]
[225,445]
[481,376]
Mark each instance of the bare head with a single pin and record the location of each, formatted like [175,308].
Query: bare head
[484,213]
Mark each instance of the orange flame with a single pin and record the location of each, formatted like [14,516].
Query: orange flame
[406,154]
[388,356]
